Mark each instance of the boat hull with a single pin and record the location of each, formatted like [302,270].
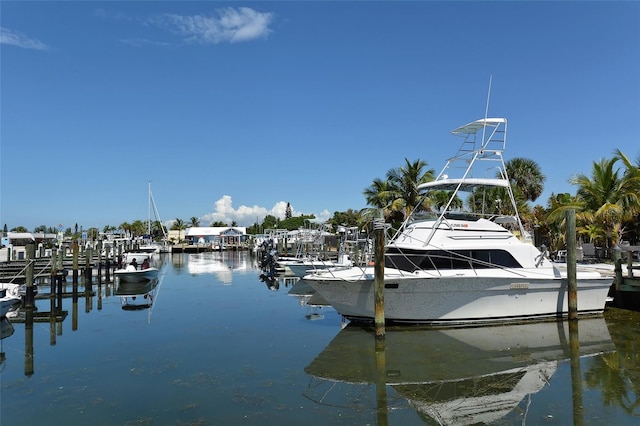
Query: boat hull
[462,300]
[304,268]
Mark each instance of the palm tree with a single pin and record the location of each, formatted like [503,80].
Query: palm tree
[630,193]
[630,187]
[194,222]
[126,227]
[379,195]
[398,195]
[605,201]
[405,181]
[527,183]
[138,227]
[525,175]
[180,226]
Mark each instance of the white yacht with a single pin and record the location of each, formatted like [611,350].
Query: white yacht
[456,264]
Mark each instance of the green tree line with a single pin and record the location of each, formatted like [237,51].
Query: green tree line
[607,202]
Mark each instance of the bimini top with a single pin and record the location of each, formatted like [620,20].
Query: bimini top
[467,184]
[473,127]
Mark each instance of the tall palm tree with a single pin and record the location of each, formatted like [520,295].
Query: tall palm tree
[194,222]
[606,200]
[630,186]
[630,190]
[525,175]
[405,181]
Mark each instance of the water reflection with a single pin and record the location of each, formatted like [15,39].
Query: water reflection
[456,376]
[309,298]
[137,295]
[617,374]
[234,353]
[6,330]
[220,264]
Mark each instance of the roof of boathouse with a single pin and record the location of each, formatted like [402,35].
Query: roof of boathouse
[202,231]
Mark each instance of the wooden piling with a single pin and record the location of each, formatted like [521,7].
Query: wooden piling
[52,279]
[59,291]
[99,249]
[378,226]
[88,260]
[572,284]
[75,249]
[107,269]
[61,256]
[31,257]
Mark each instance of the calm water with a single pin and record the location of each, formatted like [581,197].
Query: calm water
[220,347]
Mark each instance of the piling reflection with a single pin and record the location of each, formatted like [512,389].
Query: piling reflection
[459,375]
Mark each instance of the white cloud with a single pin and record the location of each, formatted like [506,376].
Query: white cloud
[230,25]
[15,38]
[247,216]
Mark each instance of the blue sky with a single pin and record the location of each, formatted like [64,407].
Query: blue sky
[231,110]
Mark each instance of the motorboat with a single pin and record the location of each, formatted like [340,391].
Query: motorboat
[310,263]
[304,266]
[456,375]
[466,259]
[132,274]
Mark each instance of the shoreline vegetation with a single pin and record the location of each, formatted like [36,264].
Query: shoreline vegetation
[607,205]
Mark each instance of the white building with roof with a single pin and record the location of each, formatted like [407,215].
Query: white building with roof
[216,235]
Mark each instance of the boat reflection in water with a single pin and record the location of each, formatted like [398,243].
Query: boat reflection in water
[6,330]
[459,376]
[137,295]
[310,298]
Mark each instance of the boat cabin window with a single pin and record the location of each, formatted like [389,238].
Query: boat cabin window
[441,259]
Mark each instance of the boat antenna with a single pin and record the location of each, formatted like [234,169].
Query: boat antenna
[484,131]
[486,109]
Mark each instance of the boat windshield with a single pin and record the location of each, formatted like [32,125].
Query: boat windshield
[420,214]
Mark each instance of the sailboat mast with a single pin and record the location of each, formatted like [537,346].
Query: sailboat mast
[149,211]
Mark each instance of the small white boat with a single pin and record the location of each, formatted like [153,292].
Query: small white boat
[132,275]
